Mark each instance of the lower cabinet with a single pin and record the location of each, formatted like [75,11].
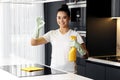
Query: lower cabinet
[81,70]
[95,71]
[112,73]
[81,66]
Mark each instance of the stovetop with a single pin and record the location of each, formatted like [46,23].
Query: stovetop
[16,70]
[113,58]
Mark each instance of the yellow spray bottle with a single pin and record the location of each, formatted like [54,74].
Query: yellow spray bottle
[72,52]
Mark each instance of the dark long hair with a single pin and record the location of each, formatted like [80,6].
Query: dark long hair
[65,8]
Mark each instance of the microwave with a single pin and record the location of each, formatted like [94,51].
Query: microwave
[78,15]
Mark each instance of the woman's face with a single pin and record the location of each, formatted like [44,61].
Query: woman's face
[62,19]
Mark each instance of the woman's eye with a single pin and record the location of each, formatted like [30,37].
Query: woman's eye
[58,17]
[64,17]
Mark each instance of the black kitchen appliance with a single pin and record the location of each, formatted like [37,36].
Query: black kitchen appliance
[78,15]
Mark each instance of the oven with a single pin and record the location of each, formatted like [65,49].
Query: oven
[78,15]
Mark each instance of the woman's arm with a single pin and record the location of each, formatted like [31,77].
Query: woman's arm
[85,49]
[38,41]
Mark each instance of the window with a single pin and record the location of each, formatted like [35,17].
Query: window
[17,22]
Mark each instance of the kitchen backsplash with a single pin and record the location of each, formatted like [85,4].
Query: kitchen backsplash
[101,36]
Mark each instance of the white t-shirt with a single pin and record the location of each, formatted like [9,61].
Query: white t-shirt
[61,47]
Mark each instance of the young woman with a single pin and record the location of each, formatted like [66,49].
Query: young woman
[60,40]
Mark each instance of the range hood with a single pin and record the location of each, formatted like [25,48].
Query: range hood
[76,4]
[28,1]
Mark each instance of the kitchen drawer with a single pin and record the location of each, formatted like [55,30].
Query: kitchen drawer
[81,61]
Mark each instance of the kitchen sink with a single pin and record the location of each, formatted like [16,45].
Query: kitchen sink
[17,70]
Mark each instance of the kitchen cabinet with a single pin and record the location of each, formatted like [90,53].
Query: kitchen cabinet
[80,70]
[99,8]
[81,66]
[112,73]
[90,69]
[100,28]
[115,8]
[98,69]
[95,71]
